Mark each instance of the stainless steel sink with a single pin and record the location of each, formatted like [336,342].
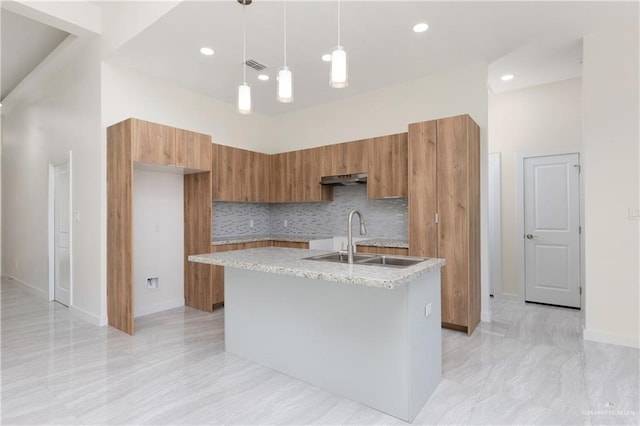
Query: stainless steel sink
[369,259]
[398,262]
[340,257]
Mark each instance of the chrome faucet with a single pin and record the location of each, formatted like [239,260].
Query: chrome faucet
[363,231]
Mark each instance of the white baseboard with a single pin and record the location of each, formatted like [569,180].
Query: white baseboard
[158,307]
[84,315]
[613,339]
[38,292]
[485,316]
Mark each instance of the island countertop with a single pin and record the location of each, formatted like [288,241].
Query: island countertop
[290,261]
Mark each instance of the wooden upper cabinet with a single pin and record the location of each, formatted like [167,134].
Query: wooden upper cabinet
[280,177]
[193,150]
[388,167]
[295,177]
[345,158]
[307,172]
[240,175]
[153,143]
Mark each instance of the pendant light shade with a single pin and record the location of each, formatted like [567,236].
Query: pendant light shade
[339,68]
[338,76]
[285,85]
[244,91]
[244,98]
[285,76]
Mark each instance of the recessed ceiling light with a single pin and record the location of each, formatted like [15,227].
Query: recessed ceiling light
[507,77]
[420,28]
[263,77]
[326,57]
[206,51]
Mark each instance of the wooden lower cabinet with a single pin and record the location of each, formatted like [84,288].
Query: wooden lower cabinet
[217,272]
[391,251]
[290,244]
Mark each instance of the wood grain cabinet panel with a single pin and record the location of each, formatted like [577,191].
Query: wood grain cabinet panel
[423,231]
[153,143]
[388,175]
[444,178]
[345,158]
[193,150]
[241,175]
[290,244]
[391,251]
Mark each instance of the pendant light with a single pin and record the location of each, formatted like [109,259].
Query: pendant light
[244,90]
[285,77]
[338,62]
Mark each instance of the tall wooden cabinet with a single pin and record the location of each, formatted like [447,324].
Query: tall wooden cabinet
[132,141]
[444,211]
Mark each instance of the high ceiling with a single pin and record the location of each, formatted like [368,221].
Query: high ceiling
[538,41]
[25,44]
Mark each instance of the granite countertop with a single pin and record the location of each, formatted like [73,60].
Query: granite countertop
[384,242]
[289,261]
[253,238]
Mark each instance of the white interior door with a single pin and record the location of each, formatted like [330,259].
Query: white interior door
[551,225]
[62,240]
[495,223]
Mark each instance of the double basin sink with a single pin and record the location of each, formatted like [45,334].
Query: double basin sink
[369,259]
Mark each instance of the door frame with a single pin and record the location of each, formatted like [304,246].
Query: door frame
[52,227]
[495,282]
[519,163]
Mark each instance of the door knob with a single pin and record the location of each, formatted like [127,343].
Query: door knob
[530,237]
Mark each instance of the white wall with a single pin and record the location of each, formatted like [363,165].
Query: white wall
[127,93]
[158,240]
[611,173]
[542,120]
[43,119]
[387,110]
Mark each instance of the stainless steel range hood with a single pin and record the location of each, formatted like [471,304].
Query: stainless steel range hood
[350,179]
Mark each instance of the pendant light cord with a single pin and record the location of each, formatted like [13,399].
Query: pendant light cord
[244,45]
[285,33]
[338,22]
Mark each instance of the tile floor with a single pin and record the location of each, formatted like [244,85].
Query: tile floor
[529,366]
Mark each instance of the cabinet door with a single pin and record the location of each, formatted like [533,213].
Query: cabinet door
[280,178]
[388,167]
[258,179]
[232,174]
[423,232]
[193,150]
[458,177]
[291,244]
[345,158]
[153,143]
[307,186]
[391,251]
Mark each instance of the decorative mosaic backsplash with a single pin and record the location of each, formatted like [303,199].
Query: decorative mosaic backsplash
[386,218]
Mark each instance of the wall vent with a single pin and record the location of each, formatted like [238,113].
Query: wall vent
[252,63]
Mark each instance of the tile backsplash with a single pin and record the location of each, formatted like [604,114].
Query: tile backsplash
[387,218]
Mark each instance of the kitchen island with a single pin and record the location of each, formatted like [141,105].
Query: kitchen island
[367,332]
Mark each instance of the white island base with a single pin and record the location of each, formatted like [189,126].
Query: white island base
[373,345]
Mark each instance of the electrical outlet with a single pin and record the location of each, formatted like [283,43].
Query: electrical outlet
[76,216]
[286,223]
[251,224]
[427,310]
